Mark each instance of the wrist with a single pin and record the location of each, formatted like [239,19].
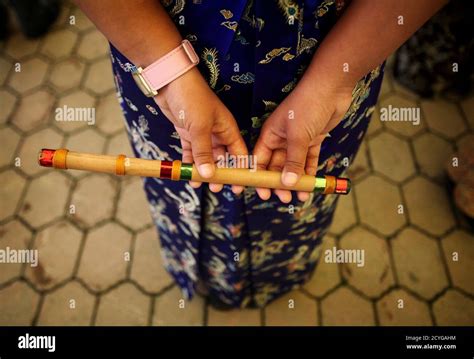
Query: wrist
[146,51]
[328,76]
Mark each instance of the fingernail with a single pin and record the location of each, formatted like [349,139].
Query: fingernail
[303,196]
[289,178]
[194,184]
[237,189]
[205,170]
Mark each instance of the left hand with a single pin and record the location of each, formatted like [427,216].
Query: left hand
[290,139]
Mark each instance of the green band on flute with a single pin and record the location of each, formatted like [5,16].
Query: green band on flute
[186,171]
[319,184]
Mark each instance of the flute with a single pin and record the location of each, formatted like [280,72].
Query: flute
[177,170]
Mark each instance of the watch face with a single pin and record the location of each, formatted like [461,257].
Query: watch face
[142,83]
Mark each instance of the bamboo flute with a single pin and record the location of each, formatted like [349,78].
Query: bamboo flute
[177,170]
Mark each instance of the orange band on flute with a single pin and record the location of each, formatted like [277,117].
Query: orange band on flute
[59,159]
[176,170]
[120,165]
[330,184]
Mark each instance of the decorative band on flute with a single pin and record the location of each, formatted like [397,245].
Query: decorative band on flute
[176,170]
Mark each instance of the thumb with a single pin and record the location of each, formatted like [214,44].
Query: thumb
[201,145]
[295,159]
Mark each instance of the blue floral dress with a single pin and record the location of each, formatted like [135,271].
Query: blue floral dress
[253,52]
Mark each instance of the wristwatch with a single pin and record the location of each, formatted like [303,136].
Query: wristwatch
[165,69]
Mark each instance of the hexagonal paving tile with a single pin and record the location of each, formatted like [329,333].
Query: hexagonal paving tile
[405,128]
[345,215]
[172,309]
[468,109]
[13,235]
[459,253]
[147,268]
[99,78]
[9,140]
[18,46]
[34,110]
[18,303]
[344,307]
[360,167]
[132,208]
[401,308]
[81,21]
[234,318]
[5,67]
[124,305]
[67,74]
[375,124]
[373,273]
[428,206]
[378,202]
[109,115]
[443,117]
[105,258]
[59,44]
[77,99]
[387,86]
[418,263]
[10,192]
[8,104]
[432,154]
[326,275]
[465,140]
[454,308]
[293,308]
[404,91]
[68,305]
[32,144]
[93,45]
[32,74]
[119,144]
[84,199]
[58,247]
[46,199]
[391,156]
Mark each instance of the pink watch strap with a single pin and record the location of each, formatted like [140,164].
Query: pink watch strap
[171,66]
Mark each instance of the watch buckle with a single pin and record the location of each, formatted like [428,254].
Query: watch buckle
[142,83]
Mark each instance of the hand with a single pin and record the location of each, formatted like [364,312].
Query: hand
[291,137]
[205,126]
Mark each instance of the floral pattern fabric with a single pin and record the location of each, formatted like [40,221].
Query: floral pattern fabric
[244,250]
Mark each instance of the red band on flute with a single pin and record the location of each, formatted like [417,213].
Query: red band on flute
[45,157]
[166,169]
[342,186]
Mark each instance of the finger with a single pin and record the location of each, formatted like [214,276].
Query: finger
[218,155]
[237,189]
[236,146]
[215,187]
[276,164]
[187,157]
[312,158]
[311,168]
[263,193]
[201,144]
[195,184]
[302,196]
[295,157]
[263,154]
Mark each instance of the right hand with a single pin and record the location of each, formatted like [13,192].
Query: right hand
[205,126]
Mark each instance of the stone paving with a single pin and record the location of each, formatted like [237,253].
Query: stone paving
[98,267]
